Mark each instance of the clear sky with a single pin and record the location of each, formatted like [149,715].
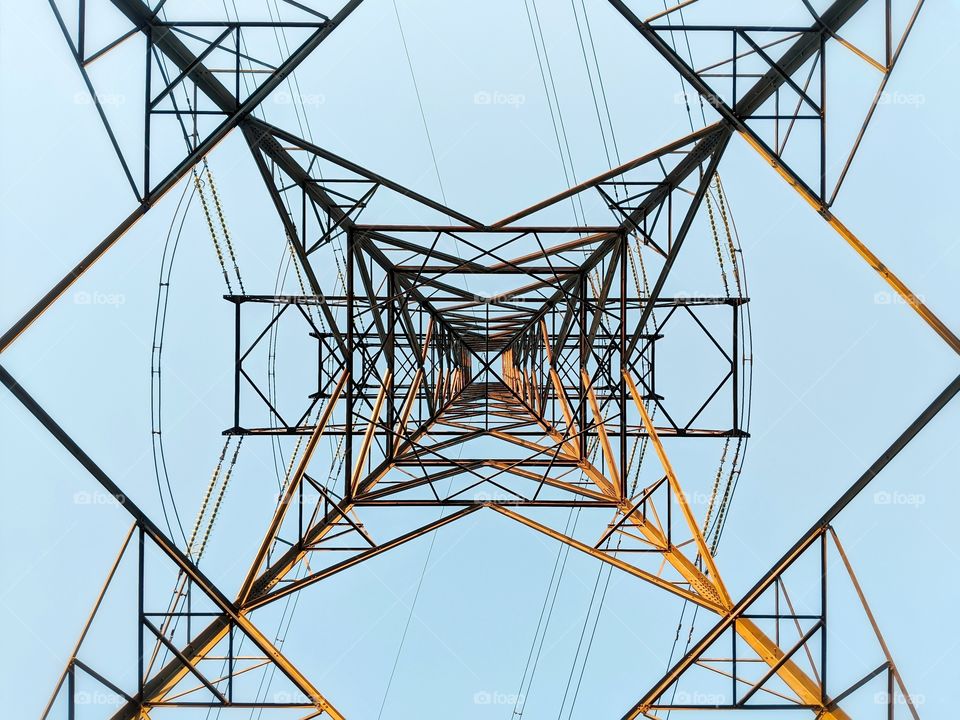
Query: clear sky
[839,367]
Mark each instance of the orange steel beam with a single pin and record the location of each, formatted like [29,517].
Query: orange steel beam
[517,469]
[368,435]
[945,333]
[89,622]
[408,403]
[703,586]
[300,584]
[681,497]
[873,622]
[208,638]
[808,690]
[292,487]
[601,430]
[607,558]
[212,635]
[558,386]
[805,688]
[609,174]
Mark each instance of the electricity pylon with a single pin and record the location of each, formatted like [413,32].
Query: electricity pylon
[515,360]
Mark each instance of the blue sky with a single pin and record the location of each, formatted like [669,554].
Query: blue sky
[840,369]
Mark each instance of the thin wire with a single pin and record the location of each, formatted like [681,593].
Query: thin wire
[737,463]
[406,626]
[593,90]
[593,632]
[156,385]
[600,83]
[556,118]
[583,633]
[559,128]
[606,148]
[520,703]
[423,115]
[443,195]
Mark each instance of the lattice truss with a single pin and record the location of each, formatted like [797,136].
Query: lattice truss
[506,366]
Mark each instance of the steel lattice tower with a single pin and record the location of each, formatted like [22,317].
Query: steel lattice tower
[451,337]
